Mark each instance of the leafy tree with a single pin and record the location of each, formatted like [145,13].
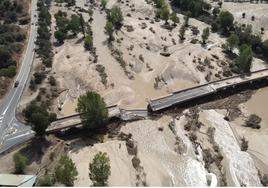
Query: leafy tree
[92,109]
[109,29]
[5,58]
[100,170]
[61,21]
[164,13]
[44,49]
[88,43]
[175,19]
[74,24]
[182,32]
[40,123]
[20,163]
[232,41]
[205,35]
[8,72]
[103,4]
[66,171]
[38,117]
[60,36]
[226,20]
[244,59]
[195,7]
[115,16]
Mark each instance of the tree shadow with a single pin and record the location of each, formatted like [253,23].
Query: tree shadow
[79,41]
[35,150]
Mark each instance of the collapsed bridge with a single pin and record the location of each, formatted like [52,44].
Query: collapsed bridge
[182,96]
[168,101]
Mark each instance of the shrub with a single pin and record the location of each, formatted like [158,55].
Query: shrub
[205,35]
[253,121]
[244,144]
[20,163]
[46,181]
[88,43]
[52,81]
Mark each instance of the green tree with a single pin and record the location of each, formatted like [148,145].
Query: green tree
[232,42]
[60,36]
[88,43]
[103,4]
[66,171]
[100,170]
[9,71]
[244,59]
[20,163]
[115,16]
[165,13]
[174,18]
[38,117]
[40,123]
[205,35]
[182,32]
[92,109]
[109,29]
[226,20]
[74,24]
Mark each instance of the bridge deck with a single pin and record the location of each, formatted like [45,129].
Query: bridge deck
[203,90]
[114,111]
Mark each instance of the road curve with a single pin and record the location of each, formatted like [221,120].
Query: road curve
[13,132]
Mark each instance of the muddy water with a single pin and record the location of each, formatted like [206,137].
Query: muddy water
[69,108]
[258,105]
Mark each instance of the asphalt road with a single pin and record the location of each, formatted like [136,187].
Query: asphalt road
[180,97]
[12,132]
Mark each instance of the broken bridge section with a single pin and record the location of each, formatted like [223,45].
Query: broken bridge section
[206,89]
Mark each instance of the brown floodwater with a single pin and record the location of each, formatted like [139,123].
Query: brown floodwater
[258,105]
